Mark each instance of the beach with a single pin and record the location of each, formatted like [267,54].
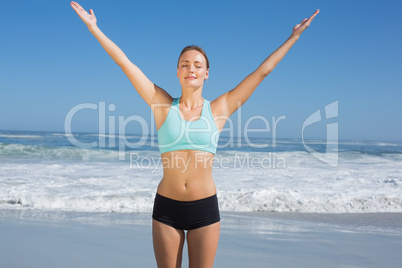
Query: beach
[45,239]
[63,205]
[299,133]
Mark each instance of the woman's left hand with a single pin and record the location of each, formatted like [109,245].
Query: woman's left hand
[88,19]
[299,28]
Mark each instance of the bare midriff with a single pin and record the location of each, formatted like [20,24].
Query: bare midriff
[187,175]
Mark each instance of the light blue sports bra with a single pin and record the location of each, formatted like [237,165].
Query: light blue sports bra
[179,134]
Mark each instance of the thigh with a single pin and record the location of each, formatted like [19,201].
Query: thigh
[202,244]
[168,245]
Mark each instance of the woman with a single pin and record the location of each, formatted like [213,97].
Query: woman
[188,130]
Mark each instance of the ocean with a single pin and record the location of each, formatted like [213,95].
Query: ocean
[47,171]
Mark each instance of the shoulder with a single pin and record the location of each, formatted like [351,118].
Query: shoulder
[161,100]
[219,106]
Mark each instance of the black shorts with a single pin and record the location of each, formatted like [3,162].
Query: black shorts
[186,215]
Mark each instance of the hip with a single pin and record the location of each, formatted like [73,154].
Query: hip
[187,188]
[186,215]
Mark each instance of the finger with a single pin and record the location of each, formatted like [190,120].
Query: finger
[78,6]
[313,16]
[74,4]
[79,10]
[303,22]
[91,12]
[75,8]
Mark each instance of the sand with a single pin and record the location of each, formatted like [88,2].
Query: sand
[68,239]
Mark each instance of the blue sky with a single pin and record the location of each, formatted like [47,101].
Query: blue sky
[351,53]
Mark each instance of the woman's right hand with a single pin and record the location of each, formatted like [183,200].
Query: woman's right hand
[88,19]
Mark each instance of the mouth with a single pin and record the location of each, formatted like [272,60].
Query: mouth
[191,77]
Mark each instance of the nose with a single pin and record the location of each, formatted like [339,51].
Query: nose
[191,68]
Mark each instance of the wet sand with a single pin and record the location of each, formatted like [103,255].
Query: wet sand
[46,239]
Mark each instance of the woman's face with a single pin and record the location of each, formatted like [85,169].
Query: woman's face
[192,69]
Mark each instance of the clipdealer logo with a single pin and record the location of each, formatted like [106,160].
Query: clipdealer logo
[330,156]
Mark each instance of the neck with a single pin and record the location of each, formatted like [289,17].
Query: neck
[192,99]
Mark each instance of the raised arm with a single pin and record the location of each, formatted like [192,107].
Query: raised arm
[151,93]
[230,101]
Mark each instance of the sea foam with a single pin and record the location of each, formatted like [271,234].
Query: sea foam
[44,172]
